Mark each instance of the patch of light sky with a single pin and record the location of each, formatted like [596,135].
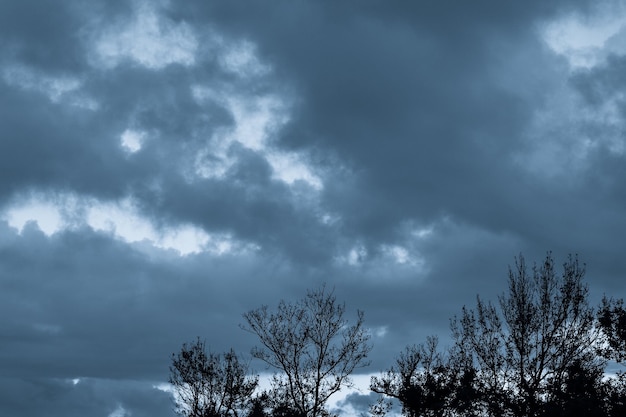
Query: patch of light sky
[399,254]
[120,412]
[241,58]
[356,256]
[120,219]
[402,256]
[256,119]
[132,140]
[585,41]
[360,385]
[403,253]
[147,39]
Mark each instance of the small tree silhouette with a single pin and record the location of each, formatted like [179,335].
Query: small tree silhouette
[314,347]
[208,384]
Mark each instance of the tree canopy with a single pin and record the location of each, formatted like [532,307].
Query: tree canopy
[539,350]
[313,345]
[208,384]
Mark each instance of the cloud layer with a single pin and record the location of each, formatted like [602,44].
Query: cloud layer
[168,166]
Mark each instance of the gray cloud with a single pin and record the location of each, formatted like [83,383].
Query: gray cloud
[401,152]
[58,397]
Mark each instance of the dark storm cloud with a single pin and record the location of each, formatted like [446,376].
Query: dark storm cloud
[63,398]
[418,115]
[37,140]
[414,115]
[84,305]
[41,34]
[602,83]
[36,155]
[254,207]
[405,96]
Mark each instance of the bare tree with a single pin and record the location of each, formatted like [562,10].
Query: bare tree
[313,345]
[208,384]
[525,349]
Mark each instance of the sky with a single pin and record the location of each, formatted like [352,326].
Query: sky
[166,166]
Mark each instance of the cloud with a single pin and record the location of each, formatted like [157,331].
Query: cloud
[586,39]
[146,39]
[60,397]
[167,166]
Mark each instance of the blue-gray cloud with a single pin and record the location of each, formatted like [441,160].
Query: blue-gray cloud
[401,152]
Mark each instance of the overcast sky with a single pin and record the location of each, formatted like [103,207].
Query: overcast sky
[166,166]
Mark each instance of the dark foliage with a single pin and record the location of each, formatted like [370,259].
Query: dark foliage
[420,380]
[533,354]
[612,320]
[540,351]
[582,393]
[210,385]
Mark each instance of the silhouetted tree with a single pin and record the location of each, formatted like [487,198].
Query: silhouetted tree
[258,406]
[526,349]
[478,348]
[428,383]
[532,354]
[612,321]
[582,393]
[419,380]
[616,395]
[208,384]
[466,400]
[313,345]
